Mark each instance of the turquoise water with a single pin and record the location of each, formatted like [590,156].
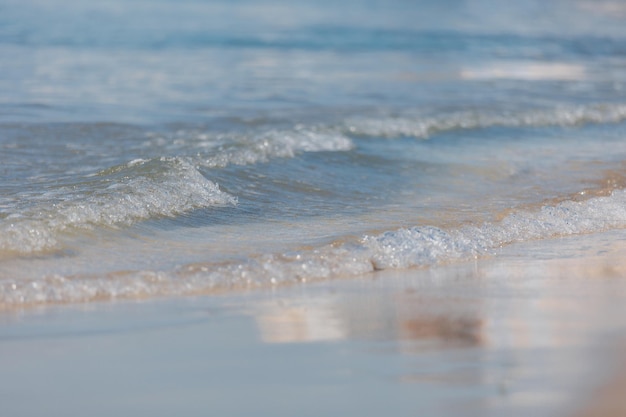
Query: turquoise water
[162,148]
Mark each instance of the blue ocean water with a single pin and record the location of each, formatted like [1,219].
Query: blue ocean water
[182,147]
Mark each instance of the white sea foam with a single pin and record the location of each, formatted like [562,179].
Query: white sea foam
[426,245]
[218,150]
[247,150]
[141,190]
[404,248]
[425,126]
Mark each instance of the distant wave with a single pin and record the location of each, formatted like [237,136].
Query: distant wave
[255,148]
[402,248]
[426,126]
[216,150]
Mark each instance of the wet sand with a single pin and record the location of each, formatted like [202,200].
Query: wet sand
[537,329]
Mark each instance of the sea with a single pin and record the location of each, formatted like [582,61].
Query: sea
[160,148]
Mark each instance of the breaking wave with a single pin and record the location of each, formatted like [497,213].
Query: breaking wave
[150,188]
[403,248]
[123,195]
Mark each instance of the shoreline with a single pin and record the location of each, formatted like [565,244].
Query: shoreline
[532,329]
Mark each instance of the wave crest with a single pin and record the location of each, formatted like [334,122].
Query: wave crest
[139,190]
[426,126]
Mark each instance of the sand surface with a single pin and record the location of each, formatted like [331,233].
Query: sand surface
[538,329]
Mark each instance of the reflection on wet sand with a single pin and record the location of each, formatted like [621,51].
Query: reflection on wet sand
[517,304]
[537,312]
[451,332]
[282,323]
[608,400]
[403,317]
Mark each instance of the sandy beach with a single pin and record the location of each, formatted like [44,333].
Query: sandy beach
[536,329]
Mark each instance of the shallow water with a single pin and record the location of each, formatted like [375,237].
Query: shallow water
[161,148]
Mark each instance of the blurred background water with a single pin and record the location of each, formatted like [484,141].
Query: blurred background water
[167,147]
